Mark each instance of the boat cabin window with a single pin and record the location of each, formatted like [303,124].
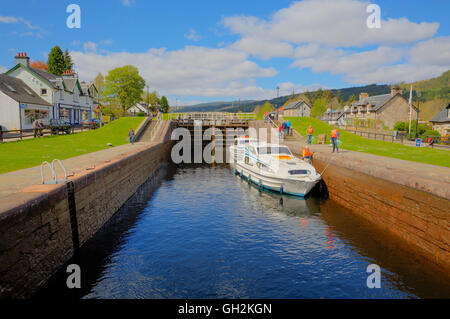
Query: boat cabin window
[274,150]
[299,172]
[247,161]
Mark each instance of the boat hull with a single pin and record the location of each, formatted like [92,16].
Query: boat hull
[295,187]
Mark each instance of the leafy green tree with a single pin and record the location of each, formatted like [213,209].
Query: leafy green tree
[124,85]
[56,64]
[99,82]
[164,104]
[68,60]
[319,107]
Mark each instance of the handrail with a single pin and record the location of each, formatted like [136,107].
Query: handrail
[64,169]
[53,173]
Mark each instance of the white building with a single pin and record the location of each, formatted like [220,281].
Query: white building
[64,93]
[20,105]
[140,107]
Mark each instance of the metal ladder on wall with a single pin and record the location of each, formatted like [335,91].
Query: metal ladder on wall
[54,179]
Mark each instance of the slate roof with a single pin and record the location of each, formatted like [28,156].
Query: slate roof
[21,92]
[293,105]
[377,101]
[70,84]
[442,116]
[51,78]
[335,115]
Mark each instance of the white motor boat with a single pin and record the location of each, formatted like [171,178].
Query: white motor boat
[273,167]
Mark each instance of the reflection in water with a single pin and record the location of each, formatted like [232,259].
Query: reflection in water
[204,233]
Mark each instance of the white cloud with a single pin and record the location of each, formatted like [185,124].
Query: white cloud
[90,46]
[192,71]
[328,36]
[39,32]
[338,23]
[382,65]
[4,19]
[192,35]
[3,69]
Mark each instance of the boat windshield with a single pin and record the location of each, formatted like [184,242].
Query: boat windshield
[273,150]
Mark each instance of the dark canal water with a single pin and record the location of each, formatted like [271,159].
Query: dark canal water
[200,232]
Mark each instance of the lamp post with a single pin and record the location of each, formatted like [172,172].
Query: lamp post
[419,94]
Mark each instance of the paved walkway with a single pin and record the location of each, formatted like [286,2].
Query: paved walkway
[14,183]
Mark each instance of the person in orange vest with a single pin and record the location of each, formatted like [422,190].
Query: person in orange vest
[310,134]
[306,153]
[279,131]
[334,139]
[265,117]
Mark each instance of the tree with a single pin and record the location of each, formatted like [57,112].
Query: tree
[56,63]
[164,104]
[40,65]
[68,61]
[124,85]
[319,107]
[153,99]
[99,82]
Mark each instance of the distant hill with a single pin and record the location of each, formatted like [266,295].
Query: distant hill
[435,94]
[249,106]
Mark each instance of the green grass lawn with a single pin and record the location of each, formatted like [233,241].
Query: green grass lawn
[32,152]
[357,143]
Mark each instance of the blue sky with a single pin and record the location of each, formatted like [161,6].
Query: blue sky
[198,51]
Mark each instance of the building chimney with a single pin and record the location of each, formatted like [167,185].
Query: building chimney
[21,58]
[68,74]
[363,95]
[396,90]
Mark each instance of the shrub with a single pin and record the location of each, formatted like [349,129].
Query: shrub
[401,126]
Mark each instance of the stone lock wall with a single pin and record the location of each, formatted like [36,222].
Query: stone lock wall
[417,217]
[36,237]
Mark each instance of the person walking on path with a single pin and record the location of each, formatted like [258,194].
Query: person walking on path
[334,139]
[310,132]
[280,128]
[35,128]
[283,126]
[132,136]
[288,127]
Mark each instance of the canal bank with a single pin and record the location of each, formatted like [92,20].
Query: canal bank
[177,239]
[410,200]
[42,225]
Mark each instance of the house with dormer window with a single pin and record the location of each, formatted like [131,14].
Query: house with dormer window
[64,93]
[386,108]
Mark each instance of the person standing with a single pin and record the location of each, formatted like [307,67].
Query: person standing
[280,128]
[265,117]
[283,127]
[132,136]
[35,128]
[310,132]
[288,127]
[306,153]
[334,139]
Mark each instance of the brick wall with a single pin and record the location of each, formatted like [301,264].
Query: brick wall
[418,218]
[36,236]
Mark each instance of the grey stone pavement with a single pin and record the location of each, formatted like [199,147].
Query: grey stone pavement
[16,182]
